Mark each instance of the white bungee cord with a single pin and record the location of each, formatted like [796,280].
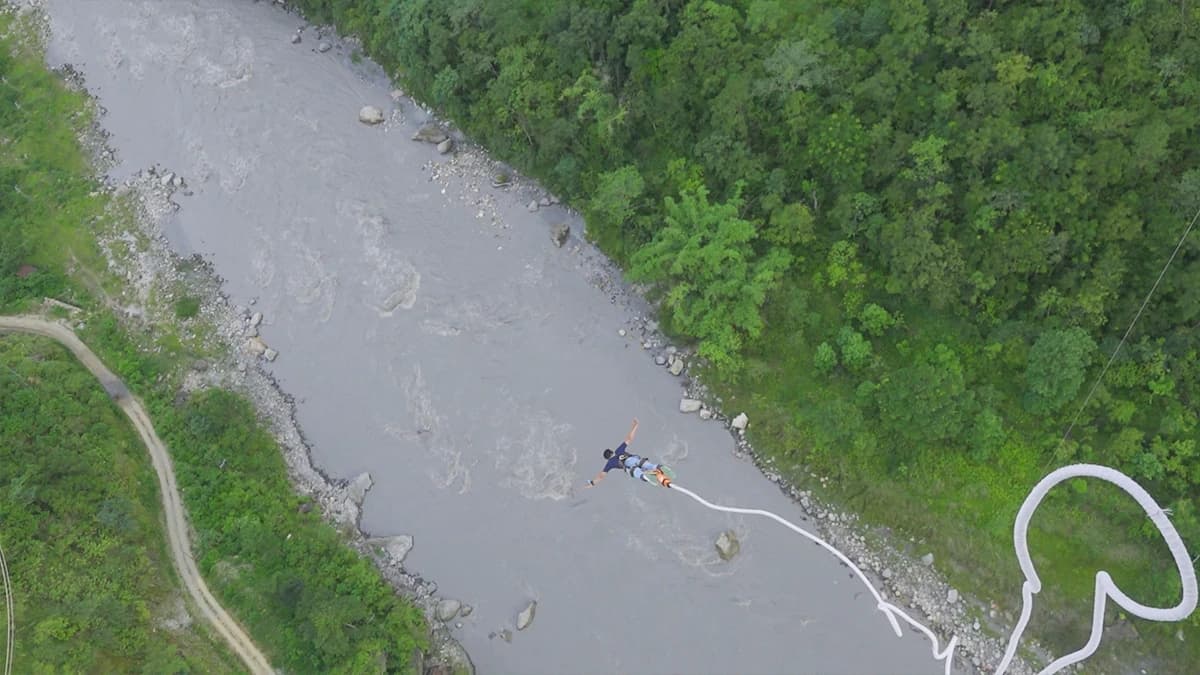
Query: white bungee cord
[889,610]
[1105,588]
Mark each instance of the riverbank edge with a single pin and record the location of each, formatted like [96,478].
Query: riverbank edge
[904,577]
[136,251]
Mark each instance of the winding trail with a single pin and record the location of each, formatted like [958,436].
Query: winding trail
[177,533]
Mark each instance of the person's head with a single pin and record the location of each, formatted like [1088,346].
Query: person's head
[608,453]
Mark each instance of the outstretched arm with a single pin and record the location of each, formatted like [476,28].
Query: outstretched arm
[599,477]
[632,431]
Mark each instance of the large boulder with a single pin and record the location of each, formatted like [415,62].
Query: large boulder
[728,545]
[255,346]
[369,114]
[740,422]
[447,609]
[559,234]
[397,547]
[526,616]
[689,405]
[430,133]
[357,490]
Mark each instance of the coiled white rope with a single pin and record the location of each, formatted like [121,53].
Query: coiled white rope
[1105,588]
[889,610]
[9,617]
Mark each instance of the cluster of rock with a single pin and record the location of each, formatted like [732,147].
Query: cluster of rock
[536,204]
[297,37]
[523,619]
[436,135]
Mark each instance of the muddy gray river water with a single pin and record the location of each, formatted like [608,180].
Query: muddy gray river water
[435,337]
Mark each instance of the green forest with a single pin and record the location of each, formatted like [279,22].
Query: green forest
[79,505]
[906,236]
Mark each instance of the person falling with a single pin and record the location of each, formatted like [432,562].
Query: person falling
[636,466]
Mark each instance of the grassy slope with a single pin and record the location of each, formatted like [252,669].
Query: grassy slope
[93,582]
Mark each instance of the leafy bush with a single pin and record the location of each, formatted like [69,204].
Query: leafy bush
[186,308]
[826,358]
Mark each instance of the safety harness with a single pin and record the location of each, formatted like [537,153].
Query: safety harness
[641,463]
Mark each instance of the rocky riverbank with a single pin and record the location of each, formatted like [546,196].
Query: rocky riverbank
[156,275]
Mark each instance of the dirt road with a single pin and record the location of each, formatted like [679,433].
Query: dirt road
[177,533]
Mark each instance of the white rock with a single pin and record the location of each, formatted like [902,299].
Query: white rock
[445,146]
[255,319]
[167,178]
[927,558]
[526,616]
[533,206]
[296,39]
[270,354]
[740,421]
[324,47]
[369,114]
[887,573]
[952,596]
[621,332]
[706,414]
[689,405]
[676,366]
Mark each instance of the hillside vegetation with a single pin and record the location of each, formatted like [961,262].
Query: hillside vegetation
[906,236]
[80,523]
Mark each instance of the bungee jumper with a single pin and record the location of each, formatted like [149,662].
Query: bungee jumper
[636,466]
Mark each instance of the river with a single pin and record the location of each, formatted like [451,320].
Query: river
[434,335]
